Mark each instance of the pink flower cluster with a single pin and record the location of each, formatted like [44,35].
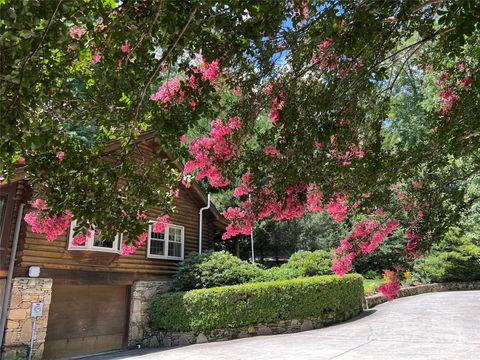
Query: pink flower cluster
[276,108]
[42,223]
[79,239]
[161,223]
[60,156]
[125,47]
[314,198]
[366,236]
[298,198]
[128,250]
[301,12]
[271,151]
[391,287]
[96,57]
[242,219]
[414,241]
[76,32]
[449,98]
[347,157]
[337,207]
[245,188]
[210,152]
[209,71]
[170,92]
[327,60]
[342,264]
[141,239]
[82,238]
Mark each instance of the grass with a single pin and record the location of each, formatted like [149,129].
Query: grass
[371,285]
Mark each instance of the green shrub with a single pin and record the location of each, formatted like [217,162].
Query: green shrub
[448,266]
[322,297]
[301,264]
[371,275]
[455,257]
[214,269]
[310,263]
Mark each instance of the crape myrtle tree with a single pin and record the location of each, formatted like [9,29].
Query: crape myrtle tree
[78,75]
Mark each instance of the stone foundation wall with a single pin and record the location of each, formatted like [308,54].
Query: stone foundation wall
[139,333]
[18,331]
[169,339]
[377,299]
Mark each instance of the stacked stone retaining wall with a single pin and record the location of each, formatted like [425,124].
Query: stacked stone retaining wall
[373,300]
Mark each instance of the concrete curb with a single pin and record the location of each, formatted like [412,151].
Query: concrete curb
[374,300]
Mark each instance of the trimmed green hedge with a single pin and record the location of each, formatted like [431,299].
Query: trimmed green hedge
[327,297]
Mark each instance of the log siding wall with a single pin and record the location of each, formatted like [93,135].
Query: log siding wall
[34,249]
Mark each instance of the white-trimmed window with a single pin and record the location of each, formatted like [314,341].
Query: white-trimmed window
[94,241]
[167,244]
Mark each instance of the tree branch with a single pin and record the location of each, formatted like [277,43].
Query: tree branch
[22,73]
[160,63]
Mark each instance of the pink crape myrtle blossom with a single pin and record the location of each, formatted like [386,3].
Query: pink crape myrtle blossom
[245,188]
[449,98]
[161,223]
[337,207]
[128,250]
[414,241]
[276,108]
[96,57]
[314,198]
[271,151]
[366,236]
[391,287]
[417,185]
[170,93]
[76,32]
[141,239]
[210,152]
[466,81]
[81,238]
[21,160]
[39,204]
[242,220]
[210,71]
[342,264]
[60,156]
[51,226]
[125,47]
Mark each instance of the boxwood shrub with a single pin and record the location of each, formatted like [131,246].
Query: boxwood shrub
[212,269]
[327,297]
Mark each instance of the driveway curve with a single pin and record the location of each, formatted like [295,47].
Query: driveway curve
[444,325]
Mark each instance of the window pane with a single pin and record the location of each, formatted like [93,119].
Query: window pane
[157,243]
[3,202]
[175,249]
[157,247]
[98,241]
[157,236]
[175,235]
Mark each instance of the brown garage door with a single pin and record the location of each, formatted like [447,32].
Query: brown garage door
[86,319]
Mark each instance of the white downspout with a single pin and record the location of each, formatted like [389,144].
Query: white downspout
[200,223]
[8,285]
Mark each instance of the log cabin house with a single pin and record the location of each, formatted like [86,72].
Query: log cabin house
[94,300]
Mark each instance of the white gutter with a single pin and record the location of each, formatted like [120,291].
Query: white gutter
[200,223]
[8,285]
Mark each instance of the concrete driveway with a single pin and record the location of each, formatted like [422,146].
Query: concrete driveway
[436,326]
